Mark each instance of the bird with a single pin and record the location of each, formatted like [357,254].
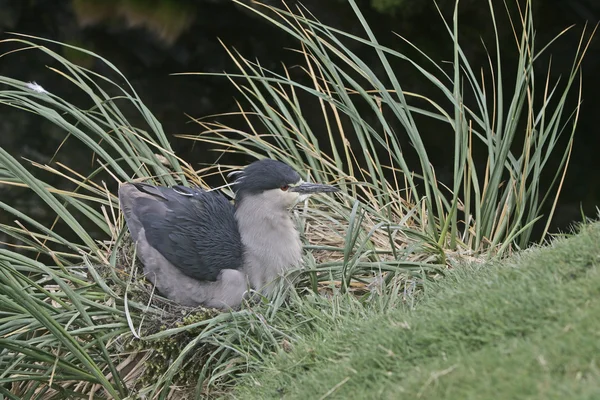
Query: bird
[199,249]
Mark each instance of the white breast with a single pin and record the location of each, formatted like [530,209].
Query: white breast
[271,242]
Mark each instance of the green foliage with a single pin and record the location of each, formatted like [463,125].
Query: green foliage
[490,206]
[84,323]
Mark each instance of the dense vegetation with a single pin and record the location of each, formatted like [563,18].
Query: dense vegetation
[77,320]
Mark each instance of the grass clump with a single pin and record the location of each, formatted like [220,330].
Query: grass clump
[522,328]
[83,323]
[370,130]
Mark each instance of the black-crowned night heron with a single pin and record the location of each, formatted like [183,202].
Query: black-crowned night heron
[199,249]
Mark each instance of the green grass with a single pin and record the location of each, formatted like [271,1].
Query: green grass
[80,323]
[527,328]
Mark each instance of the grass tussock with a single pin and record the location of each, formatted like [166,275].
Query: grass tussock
[76,318]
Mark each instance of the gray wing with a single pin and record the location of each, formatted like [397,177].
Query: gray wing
[194,230]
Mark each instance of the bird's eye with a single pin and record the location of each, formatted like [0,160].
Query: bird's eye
[285,188]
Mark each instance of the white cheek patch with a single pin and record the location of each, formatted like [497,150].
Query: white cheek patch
[300,197]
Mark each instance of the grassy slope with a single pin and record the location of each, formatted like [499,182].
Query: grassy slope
[525,329]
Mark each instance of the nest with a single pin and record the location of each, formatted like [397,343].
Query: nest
[149,354]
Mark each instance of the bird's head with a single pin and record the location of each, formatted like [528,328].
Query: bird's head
[274,182]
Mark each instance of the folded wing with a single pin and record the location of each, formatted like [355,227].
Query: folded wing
[194,230]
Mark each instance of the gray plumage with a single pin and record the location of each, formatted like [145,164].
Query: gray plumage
[199,249]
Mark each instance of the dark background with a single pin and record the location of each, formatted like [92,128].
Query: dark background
[148,40]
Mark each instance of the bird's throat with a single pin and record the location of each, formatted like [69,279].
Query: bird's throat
[271,242]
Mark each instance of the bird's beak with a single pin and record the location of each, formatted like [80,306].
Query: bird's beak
[307,188]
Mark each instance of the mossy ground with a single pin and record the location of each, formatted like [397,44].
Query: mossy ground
[158,354]
[527,328]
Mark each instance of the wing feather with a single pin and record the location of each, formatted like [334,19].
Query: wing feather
[194,230]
